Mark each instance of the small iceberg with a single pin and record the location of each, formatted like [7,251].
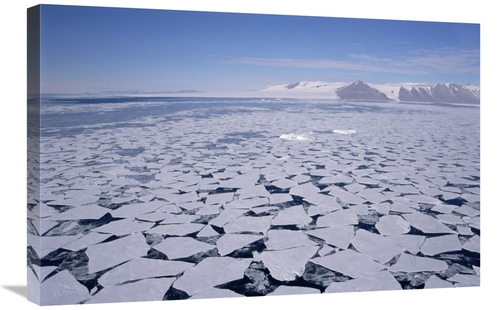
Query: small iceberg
[297,137]
[345,131]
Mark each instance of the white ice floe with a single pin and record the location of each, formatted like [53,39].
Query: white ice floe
[228,243]
[87,240]
[62,289]
[349,263]
[370,244]
[45,245]
[423,199]
[380,281]
[81,212]
[109,254]
[207,231]
[466,210]
[345,131]
[435,282]
[392,225]
[124,227]
[221,198]
[294,290]
[286,239]
[254,224]
[142,268]
[304,190]
[465,280]
[411,263]
[215,293]
[342,217]
[338,236]
[344,195]
[336,179]
[440,244]
[42,272]
[180,247]
[297,137]
[340,287]
[285,183]
[292,216]
[226,216]
[177,229]
[286,265]
[280,198]
[133,210]
[148,289]
[427,224]
[207,274]
[372,195]
[411,243]
[473,244]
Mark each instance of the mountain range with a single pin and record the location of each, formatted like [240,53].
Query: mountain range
[404,92]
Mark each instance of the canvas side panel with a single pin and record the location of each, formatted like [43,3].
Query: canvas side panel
[33,148]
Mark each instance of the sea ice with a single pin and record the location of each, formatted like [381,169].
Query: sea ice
[82,212]
[380,281]
[45,245]
[207,274]
[440,244]
[249,224]
[473,244]
[372,195]
[344,195]
[292,216]
[42,272]
[297,137]
[340,287]
[286,239]
[410,263]
[427,224]
[284,183]
[338,236]
[124,227]
[231,242]
[293,290]
[345,131]
[142,268]
[61,289]
[392,225]
[219,198]
[465,279]
[423,199]
[466,210]
[371,244]
[87,240]
[286,265]
[411,243]
[304,190]
[435,282]
[338,218]
[349,263]
[176,229]
[180,247]
[109,254]
[148,289]
[215,293]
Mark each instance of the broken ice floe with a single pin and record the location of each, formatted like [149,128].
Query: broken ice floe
[297,137]
[157,211]
[345,131]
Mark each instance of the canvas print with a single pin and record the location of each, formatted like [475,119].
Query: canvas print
[183,154]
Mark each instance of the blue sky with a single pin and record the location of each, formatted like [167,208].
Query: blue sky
[88,49]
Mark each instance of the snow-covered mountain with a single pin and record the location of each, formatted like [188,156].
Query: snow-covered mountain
[406,92]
